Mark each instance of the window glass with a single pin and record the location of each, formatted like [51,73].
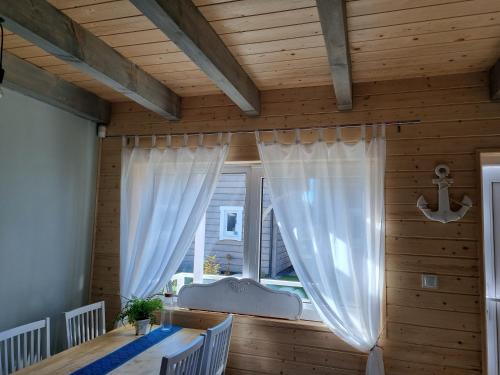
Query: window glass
[276,270]
[218,246]
[231,223]
[218,249]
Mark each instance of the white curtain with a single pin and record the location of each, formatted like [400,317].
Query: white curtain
[164,194]
[328,199]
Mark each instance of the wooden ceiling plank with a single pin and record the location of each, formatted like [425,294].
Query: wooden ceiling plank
[332,14]
[278,45]
[266,21]
[102,12]
[495,81]
[240,38]
[285,65]
[429,13]
[272,34]
[14,41]
[445,59]
[455,36]
[37,83]
[483,47]
[428,70]
[119,25]
[66,4]
[28,51]
[367,7]
[183,24]
[245,8]
[44,25]
[425,27]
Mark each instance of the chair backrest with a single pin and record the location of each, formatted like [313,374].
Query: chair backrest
[216,348]
[23,346]
[85,323]
[187,361]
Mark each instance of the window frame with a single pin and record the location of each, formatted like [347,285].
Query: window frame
[252,235]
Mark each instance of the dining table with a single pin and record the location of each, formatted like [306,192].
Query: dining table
[146,362]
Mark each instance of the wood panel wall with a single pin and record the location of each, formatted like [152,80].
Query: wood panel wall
[276,346]
[426,332]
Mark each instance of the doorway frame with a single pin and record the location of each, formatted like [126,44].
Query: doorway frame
[481,254]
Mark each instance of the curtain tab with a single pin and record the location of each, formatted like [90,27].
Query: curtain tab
[363,132]
[297,136]
[338,131]
[124,141]
[186,139]
[136,141]
[168,140]
[374,131]
[153,141]
[321,134]
[219,139]
[383,131]
[275,136]
[200,140]
[257,136]
[229,136]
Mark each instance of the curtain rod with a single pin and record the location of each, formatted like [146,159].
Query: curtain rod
[397,123]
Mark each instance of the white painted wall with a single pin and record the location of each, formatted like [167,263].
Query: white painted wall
[47,189]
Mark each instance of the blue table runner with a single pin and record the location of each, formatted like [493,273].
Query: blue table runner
[121,355]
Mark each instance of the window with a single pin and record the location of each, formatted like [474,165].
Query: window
[276,270]
[217,250]
[239,237]
[230,223]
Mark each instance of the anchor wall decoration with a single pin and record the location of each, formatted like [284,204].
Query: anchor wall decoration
[444,214]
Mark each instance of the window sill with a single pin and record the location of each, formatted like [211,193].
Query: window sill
[201,318]
[309,312]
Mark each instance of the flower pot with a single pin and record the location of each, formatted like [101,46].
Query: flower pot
[142,326]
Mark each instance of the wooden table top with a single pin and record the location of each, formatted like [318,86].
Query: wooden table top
[148,362]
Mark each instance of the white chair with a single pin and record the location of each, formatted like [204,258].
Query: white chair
[85,323]
[216,348]
[23,346]
[187,361]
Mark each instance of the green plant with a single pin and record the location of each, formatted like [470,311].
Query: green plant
[210,266]
[140,308]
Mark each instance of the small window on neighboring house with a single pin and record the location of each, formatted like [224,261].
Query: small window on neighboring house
[231,223]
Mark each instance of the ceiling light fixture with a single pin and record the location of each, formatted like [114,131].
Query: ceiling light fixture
[2,72]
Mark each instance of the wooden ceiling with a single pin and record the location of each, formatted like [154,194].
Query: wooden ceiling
[279,43]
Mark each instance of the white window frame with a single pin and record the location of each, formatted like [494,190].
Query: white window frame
[224,234]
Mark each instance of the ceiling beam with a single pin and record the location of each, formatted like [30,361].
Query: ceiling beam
[48,28]
[495,81]
[40,84]
[332,15]
[182,23]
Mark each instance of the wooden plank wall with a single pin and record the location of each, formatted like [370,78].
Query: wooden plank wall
[275,346]
[427,332]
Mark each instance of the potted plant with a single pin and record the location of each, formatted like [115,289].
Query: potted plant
[140,312]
